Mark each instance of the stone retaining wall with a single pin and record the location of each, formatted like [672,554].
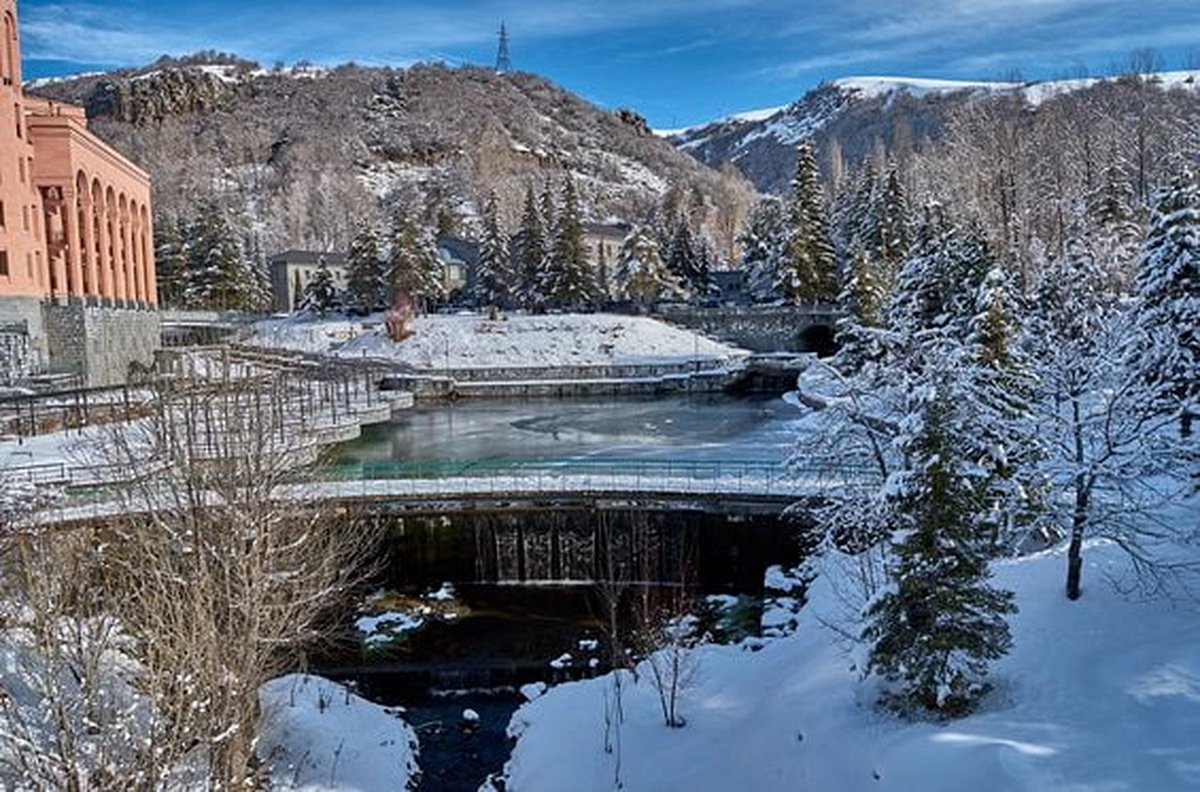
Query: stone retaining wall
[99,342]
[760,328]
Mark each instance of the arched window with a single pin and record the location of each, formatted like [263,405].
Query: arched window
[8,67]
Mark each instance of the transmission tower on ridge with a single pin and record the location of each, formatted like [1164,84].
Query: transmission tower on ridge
[503,62]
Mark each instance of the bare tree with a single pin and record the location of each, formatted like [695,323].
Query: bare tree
[667,635]
[612,585]
[669,642]
[226,569]
[1144,62]
[69,716]
[214,574]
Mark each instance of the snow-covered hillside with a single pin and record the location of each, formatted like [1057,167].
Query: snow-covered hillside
[1099,694]
[761,141]
[472,341]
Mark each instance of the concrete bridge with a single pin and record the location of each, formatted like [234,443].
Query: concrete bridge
[763,328]
[767,484]
[734,486]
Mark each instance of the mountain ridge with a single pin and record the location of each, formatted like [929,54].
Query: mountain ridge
[760,142]
[304,154]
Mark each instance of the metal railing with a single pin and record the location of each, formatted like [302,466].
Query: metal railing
[503,475]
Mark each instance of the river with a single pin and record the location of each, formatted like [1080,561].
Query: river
[509,625]
[701,427]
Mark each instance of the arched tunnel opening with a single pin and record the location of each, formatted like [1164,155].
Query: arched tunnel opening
[818,338]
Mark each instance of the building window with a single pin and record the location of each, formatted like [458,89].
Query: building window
[8,68]
[4,263]
[20,163]
[3,222]
[17,113]
[25,218]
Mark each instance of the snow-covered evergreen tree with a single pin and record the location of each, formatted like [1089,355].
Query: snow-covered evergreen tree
[320,293]
[366,282]
[170,260]
[414,270]
[642,275]
[493,286]
[682,258]
[568,281]
[938,627]
[216,276]
[528,252]
[1009,444]
[762,242]
[939,281]
[257,271]
[864,295]
[1117,234]
[808,267]
[891,209]
[1167,350]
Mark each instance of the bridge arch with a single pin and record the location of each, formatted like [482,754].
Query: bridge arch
[818,338]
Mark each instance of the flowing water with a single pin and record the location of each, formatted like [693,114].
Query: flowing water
[523,577]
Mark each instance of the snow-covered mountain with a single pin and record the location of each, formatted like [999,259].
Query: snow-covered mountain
[304,153]
[857,111]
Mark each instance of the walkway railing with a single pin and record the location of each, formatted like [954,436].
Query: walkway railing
[509,476]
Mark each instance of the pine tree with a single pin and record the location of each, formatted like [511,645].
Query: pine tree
[682,257]
[702,284]
[921,299]
[493,280]
[808,268]
[1166,353]
[568,281]
[936,631]
[365,278]
[215,273]
[892,213]
[170,260]
[864,295]
[528,251]
[939,281]
[761,244]
[1117,233]
[413,265]
[320,295]
[257,273]
[642,276]
[1008,444]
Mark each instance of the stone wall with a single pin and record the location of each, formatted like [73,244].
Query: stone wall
[99,342]
[760,328]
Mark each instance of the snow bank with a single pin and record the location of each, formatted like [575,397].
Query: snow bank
[1102,693]
[317,736]
[474,342]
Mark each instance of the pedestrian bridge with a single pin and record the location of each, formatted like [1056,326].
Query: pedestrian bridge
[768,483]
[750,486]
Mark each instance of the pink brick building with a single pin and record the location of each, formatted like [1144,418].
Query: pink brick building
[75,215]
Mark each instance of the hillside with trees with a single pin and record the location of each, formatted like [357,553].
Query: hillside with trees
[302,157]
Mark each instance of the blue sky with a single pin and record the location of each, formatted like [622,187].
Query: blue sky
[678,62]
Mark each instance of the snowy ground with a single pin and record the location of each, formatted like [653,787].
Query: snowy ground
[319,737]
[471,341]
[1099,694]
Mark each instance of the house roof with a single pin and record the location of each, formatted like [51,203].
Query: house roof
[463,250]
